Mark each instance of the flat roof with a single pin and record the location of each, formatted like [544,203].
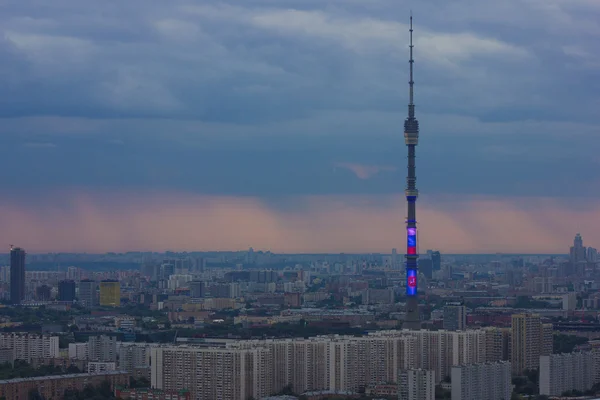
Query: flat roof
[66,376]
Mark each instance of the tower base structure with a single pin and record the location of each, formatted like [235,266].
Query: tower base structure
[412,320]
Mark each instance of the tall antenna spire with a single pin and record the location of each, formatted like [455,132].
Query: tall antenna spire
[411,139]
[411,104]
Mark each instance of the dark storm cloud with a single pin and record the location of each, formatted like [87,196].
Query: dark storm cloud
[299,97]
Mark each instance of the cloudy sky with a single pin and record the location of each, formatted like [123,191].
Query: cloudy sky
[277,124]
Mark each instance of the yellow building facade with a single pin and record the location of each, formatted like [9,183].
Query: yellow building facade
[110,293]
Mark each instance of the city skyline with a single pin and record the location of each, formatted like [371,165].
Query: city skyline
[279,126]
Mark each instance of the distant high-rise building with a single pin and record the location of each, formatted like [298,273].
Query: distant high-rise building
[87,293]
[166,270]
[73,273]
[455,317]
[66,290]
[530,340]
[110,293]
[196,289]
[395,259]
[199,264]
[250,257]
[416,384]
[17,275]
[578,251]
[592,255]
[436,260]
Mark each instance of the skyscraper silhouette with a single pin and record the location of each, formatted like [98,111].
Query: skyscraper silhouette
[17,275]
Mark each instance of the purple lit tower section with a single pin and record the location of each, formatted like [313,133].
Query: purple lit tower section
[411,138]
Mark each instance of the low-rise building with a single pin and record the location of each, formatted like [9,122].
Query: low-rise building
[152,394]
[54,386]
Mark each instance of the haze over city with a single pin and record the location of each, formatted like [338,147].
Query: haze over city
[278,125]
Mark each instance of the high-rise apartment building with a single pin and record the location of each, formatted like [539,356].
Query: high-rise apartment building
[487,381]
[416,384]
[498,343]
[87,293]
[212,374]
[110,293]
[135,358]
[66,290]
[436,260]
[565,372]
[17,275]
[334,363]
[440,350]
[530,340]
[455,317]
[102,348]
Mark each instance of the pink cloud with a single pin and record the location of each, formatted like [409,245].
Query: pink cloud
[364,171]
[99,222]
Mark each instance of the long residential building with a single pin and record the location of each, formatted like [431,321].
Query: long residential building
[27,346]
[239,369]
[569,371]
[487,381]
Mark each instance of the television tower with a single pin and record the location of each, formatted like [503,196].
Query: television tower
[411,138]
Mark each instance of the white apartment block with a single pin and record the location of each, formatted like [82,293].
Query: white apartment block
[416,384]
[102,348]
[28,346]
[487,381]
[334,363]
[569,371]
[78,351]
[212,374]
[440,350]
[134,356]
